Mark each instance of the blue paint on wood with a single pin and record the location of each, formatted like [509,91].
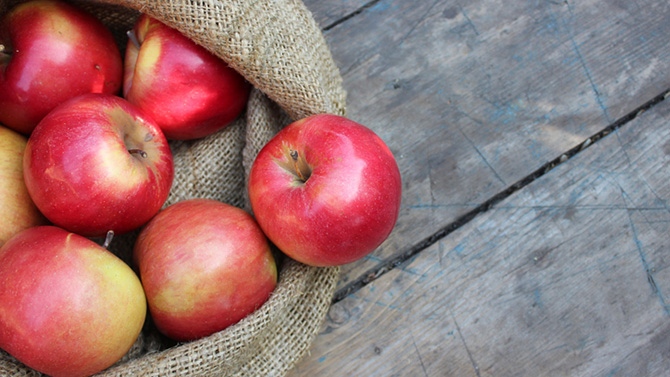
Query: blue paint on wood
[614,372]
[589,76]
[537,298]
[372,258]
[577,50]
[459,249]
[376,302]
[380,6]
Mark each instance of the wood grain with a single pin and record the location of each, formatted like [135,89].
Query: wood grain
[567,277]
[473,96]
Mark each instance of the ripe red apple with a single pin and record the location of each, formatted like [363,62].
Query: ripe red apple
[204,266]
[51,51]
[325,190]
[69,307]
[190,92]
[17,210]
[97,163]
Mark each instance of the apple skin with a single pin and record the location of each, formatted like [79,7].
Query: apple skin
[190,92]
[84,171]
[56,52]
[69,306]
[17,210]
[204,265]
[347,206]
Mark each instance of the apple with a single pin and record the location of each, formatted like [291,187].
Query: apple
[190,92]
[51,51]
[17,210]
[69,306]
[325,190]
[204,265]
[97,163]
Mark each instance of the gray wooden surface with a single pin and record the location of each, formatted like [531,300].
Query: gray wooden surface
[496,268]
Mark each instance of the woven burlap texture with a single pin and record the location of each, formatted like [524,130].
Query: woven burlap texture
[279,48]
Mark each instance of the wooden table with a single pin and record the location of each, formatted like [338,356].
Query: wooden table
[533,138]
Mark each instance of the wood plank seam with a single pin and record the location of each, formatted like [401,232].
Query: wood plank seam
[404,257]
[351,15]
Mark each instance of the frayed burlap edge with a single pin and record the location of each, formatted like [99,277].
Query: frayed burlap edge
[279,48]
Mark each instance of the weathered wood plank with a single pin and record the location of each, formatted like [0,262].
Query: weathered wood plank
[567,277]
[473,96]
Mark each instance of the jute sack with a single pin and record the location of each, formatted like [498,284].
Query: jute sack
[279,48]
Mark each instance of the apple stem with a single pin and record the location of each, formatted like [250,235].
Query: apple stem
[300,166]
[5,54]
[142,153]
[108,239]
[133,38]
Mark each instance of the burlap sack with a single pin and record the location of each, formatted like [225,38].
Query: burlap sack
[278,47]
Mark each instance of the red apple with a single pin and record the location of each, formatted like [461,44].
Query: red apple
[97,163]
[190,92]
[17,210]
[204,266]
[325,190]
[69,307]
[51,51]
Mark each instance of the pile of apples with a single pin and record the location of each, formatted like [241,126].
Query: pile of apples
[85,154]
